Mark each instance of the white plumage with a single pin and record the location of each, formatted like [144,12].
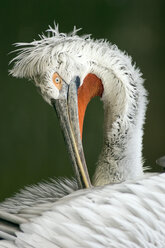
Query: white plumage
[124,97]
[127,213]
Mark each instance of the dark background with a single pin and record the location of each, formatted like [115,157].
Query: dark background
[31,144]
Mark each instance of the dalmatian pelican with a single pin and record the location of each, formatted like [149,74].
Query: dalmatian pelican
[123,207]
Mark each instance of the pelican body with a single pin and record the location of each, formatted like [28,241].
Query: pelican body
[123,206]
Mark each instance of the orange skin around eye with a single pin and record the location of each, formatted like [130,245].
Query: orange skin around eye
[59,84]
[91,87]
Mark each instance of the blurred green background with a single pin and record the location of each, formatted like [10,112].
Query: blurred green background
[31,144]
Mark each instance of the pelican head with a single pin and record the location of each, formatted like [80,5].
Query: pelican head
[69,70]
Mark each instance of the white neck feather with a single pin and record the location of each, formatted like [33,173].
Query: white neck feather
[124,102]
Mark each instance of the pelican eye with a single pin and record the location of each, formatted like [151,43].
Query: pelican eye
[57,80]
